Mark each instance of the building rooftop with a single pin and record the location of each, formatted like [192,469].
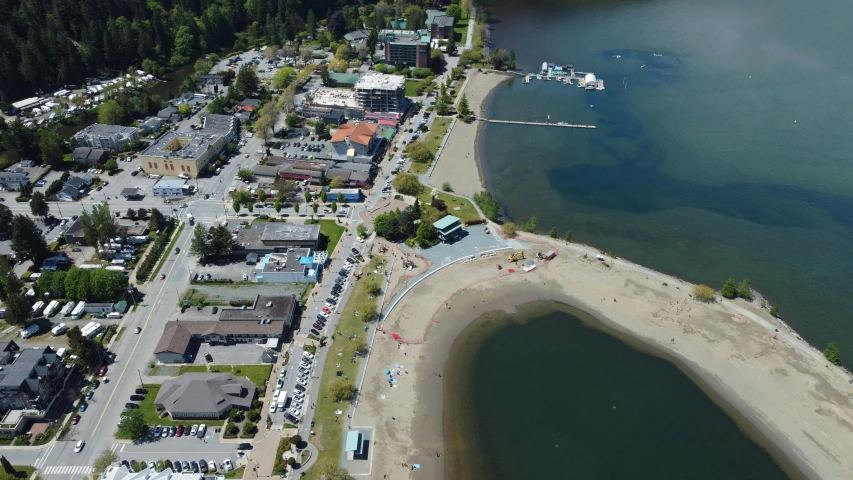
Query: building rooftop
[178,335]
[170,183]
[381,81]
[357,35]
[205,392]
[27,362]
[445,222]
[335,97]
[290,261]
[284,232]
[191,144]
[405,36]
[278,308]
[360,133]
[102,130]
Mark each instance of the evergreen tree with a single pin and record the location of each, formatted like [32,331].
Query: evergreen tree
[27,241]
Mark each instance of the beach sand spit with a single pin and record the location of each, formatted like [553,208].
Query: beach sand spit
[777,387]
[458,164]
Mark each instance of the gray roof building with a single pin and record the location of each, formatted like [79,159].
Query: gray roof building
[277,309]
[205,395]
[90,155]
[99,135]
[30,378]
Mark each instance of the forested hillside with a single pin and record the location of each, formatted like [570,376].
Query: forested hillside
[50,43]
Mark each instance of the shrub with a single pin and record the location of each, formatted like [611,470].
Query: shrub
[774,310]
[832,354]
[509,229]
[446,187]
[729,289]
[703,293]
[488,205]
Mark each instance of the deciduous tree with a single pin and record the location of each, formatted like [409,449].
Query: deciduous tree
[27,241]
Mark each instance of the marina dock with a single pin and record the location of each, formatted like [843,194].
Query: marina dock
[539,124]
[565,74]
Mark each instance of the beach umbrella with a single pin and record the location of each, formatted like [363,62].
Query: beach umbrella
[395,336]
[387,372]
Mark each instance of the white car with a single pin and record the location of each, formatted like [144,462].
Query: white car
[302,381]
[325,314]
[296,412]
[299,395]
[152,466]
[281,374]
[79,447]
[308,355]
[277,391]
[194,430]
[272,408]
[227,465]
[201,429]
[329,306]
[361,240]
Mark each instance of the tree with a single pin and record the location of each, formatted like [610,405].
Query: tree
[220,243]
[419,152]
[361,230]
[98,226]
[277,207]
[426,236]
[744,289]
[111,113]
[323,196]
[553,232]
[334,207]
[530,225]
[245,174]
[9,282]
[262,195]
[284,77]
[454,10]
[832,353]
[407,184]
[464,110]
[292,120]
[373,287]
[18,310]
[235,204]
[337,182]
[7,219]
[249,428]
[247,82]
[729,289]
[27,241]
[568,236]
[111,166]
[185,110]
[342,390]
[359,346]
[415,17]
[703,293]
[774,310]
[314,208]
[50,145]
[38,205]
[337,25]
[216,106]
[157,220]
[142,213]
[132,425]
[437,61]
[200,246]
[509,229]
[7,467]
[332,471]
[296,208]
[108,456]
[320,129]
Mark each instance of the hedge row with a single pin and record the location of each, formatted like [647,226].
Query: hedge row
[143,270]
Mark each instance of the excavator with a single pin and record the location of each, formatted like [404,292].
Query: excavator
[516,256]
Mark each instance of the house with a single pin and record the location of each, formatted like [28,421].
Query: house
[270,318]
[356,37]
[303,170]
[69,194]
[378,92]
[151,125]
[28,163]
[352,142]
[449,228]
[80,183]
[16,422]
[329,116]
[296,265]
[32,378]
[74,188]
[90,156]
[277,237]
[169,114]
[189,152]
[204,395]
[110,137]
[252,102]
[13,180]
[351,177]
[440,25]
[171,187]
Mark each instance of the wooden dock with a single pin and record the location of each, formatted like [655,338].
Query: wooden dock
[539,124]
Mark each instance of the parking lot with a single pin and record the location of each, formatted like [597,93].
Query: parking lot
[298,398]
[303,148]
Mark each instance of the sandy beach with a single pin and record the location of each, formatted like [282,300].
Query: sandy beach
[458,164]
[779,389]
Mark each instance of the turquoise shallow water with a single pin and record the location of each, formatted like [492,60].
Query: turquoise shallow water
[547,397]
[722,146]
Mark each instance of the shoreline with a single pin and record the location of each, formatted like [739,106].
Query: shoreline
[459,163]
[776,389]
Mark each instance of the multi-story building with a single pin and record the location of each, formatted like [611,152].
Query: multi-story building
[188,153]
[110,137]
[355,140]
[408,47]
[378,92]
[440,25]
[31,378]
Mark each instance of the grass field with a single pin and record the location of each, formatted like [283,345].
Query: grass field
[466,211]
[461,31]
[432,140]
[328,431]
[412,88]
[258,374]
[333,231]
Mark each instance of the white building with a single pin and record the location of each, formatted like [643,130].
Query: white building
[377,92]
[110,137]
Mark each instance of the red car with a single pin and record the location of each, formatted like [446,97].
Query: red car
[179,431]
[75,419]
[317,326]
[326,309]
[102,371]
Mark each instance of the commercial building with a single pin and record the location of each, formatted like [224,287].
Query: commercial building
[14,180]
[378,92]
[340,99]
[348,195]
[110,137]
[132,193]
[448,228]
[31,378]
[90,156]
[188,153]
[328,115]
[204,395]
[269,319]
[170,187]
[408,47]
[296,265]
[277,237]
[355,140]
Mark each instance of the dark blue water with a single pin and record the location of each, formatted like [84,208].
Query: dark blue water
[551,398]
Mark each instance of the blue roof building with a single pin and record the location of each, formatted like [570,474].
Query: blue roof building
[449,228]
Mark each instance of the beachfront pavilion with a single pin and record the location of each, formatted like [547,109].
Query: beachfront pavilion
[355,445]
[448,228]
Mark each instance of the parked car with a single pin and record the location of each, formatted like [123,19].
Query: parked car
[203,465]
[227,465]
[194,430]
[75,420]
[244,446]
[315,332]
[186,466]
[157,431]
[90,394]
[165,432]
[141,391]
[177,466]
[137,398]
[102,371]
[131,405]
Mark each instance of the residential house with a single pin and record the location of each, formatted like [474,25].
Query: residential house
[440,25]
[90,156]
[169,114]
[357,37]
[13,180]
[31,378]
[151,125]
[111,137]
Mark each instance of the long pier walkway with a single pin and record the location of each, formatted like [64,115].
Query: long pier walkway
[539,124]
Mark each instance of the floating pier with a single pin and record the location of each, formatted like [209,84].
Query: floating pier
[539,124]
[565,74]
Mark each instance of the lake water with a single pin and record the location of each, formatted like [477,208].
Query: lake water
[539,395]
[722,149]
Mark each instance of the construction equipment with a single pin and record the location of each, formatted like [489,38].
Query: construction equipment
[516,256]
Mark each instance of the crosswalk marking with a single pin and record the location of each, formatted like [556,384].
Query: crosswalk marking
[68,469]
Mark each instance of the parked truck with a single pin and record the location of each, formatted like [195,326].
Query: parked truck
[281,400]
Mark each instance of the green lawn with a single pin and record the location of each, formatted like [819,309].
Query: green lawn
[461,30]
[236,473]
[432,140]
[23,471]
[329,433]
[466,211]
[412,87]
[332,231]
[258,374]
[149,413]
